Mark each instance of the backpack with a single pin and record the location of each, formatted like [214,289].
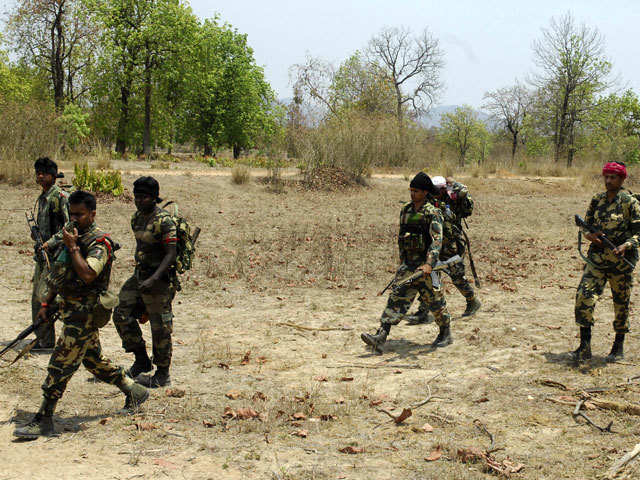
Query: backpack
[185,247]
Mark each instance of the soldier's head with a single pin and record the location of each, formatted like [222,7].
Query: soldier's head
[420,186]
[439,185]
[146,192]
[614,174]
[46,172]
[82,209]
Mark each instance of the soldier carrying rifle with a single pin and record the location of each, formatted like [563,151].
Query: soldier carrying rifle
[612,225]
[419,241]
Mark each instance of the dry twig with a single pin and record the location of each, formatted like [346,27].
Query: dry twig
[577,413]
[315,329]
[622,462]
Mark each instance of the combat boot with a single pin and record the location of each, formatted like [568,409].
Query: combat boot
[473,306]
[42,423]
[141,364]
[420,317]
[160,378]
[583,352]
[135,394]
[617,349]
[444,338]
[376,341]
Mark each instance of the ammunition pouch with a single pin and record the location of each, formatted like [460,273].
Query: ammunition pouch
[101,315]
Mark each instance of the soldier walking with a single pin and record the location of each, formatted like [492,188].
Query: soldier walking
[151,288]
[80,276]
[419,242]
[615,213]
[52,213]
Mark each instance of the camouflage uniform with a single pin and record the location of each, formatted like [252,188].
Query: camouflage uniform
[460,206]
[619,220]
[52,215]
[79,341]
[153,234]
[420,242]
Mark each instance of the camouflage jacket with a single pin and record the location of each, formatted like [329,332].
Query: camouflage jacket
[420,235]
[452,240]
[619,220]
[52,214]
[153,233]
[96,247]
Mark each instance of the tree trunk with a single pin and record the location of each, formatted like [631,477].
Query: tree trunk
[208,150]
[236,152]
[514,146]
[401,136]
[123,121]
[57,68]
[146,134]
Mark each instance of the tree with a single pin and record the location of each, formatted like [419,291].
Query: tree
[57,36]
[464,133]
[573,69]
[508,107]
[411,65]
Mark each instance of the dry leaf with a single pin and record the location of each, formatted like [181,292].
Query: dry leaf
[164,463]
[245,359]
[351,450]
[470,455]
[397,372]
[327,417]
[104,421]
[228,413]
[406,413]
[593,456]
[320,378]
[145,426]
[435,455]
[324,355]
[481,400]
[259,396]
[299,416]
[208,424]
[175,392]
[223,366]
[426,428]
[245,413]
[346,379]
[233,394]
[300,433]
[262,360]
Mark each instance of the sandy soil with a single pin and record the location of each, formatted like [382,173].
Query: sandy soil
[270,262]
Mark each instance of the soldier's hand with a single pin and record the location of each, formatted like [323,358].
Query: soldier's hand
[621,249]
[148,284]
[426,269]
[70,238]
[42,314]
[595,238]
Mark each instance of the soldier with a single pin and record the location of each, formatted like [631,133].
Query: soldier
[419,241]
[616,214]
[455,201]
[152,285]
[80,276]
[51,215]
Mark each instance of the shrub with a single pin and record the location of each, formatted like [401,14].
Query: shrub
[97,181]
[240,175]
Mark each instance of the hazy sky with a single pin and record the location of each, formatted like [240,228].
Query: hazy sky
[487,44]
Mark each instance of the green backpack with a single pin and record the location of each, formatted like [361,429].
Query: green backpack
[185,247]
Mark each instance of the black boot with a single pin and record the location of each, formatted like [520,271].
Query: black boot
[160,378]
[583,352]
[420,317]
[473,306]
[141,364]
[444,338]
[616,350]
[41,424]
[376,341]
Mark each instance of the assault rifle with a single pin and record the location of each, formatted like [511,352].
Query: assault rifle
[36,235]
[591,229]
[435,278]
[52,314]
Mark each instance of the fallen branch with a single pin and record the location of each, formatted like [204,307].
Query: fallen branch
[425,401]
[406,413]
[577,413]
[622,462]
[480,426]
[314,329]
[627,408]
[377,365]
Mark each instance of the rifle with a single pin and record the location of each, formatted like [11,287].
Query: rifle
[51,314]
[591,229]
[402,269]
[36,235]
[435,279]
[476,279]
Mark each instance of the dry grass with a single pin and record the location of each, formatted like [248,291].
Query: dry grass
[317,259]
[240,175]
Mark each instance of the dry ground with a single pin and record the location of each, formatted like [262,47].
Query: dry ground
[317,260]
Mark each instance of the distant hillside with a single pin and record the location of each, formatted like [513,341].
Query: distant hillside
[432,119]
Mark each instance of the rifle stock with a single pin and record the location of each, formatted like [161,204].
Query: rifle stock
[580,222]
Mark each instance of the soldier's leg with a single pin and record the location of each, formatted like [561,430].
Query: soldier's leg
[590,288]
[158,305]
[621,285]
[459,279]
[45,333]
[438,306]
[422,315]
[128,328]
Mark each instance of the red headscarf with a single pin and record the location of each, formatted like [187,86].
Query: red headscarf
[615,169]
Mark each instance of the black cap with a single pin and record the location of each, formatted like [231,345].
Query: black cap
[422,182]
[148,186]
[46,165]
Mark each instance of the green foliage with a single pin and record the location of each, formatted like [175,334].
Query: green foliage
[73,125]
[463,132]
[97,181]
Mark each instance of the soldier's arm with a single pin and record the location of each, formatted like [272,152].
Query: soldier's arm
[634,211]
[169,243]
[589,219]
[435,230]
[87,269]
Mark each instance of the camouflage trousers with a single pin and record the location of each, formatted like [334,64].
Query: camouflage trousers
[591,287]
[79,342]
[400,300]
[157,304]
[46,333]
[457,274]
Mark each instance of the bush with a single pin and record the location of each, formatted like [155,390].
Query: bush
[73,125]
[97,181]
[240,175]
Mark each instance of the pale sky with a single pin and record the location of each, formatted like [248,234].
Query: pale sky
[487,44]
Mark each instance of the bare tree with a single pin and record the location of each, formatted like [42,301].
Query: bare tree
[509,106]
[57,37]
[411,65]
[313,79]
[574,70]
